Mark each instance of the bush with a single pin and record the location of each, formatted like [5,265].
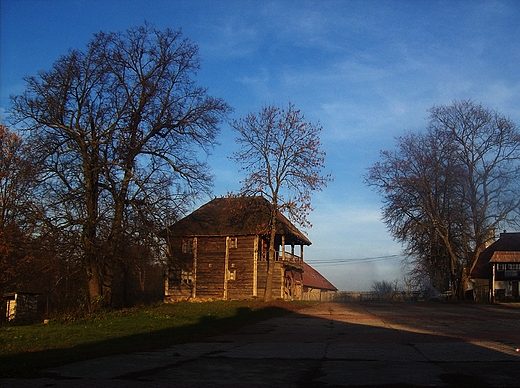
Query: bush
[384,290]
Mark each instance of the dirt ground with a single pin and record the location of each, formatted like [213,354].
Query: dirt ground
[328,345]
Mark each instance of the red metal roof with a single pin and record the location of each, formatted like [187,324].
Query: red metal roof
[312,278]
[505,257]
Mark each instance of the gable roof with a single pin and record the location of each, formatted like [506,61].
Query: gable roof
[313,279]
[508,242]
[236,216]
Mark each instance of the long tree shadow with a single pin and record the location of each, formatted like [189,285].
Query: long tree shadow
[369,344]
[330,345]
[29,364]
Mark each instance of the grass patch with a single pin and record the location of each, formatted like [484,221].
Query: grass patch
[26,349]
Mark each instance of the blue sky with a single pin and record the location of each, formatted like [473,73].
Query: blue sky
[368,71]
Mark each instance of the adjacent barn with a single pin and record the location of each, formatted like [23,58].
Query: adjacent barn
[220,251]
[316,286]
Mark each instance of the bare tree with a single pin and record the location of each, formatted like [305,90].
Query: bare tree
[17,178]
[15,209]
[418,181]
[447,191]
[281,155]
[113,123]
[488,149]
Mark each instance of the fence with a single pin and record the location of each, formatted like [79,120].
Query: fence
[356,296]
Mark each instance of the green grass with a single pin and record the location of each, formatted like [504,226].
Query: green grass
[26,349]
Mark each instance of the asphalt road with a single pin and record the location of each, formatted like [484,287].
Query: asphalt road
[327,345]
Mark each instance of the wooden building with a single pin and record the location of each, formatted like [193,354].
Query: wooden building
[496,274]
[20,306]
[220,252]
[316,286]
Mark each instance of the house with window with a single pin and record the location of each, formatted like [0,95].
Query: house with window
[220,251]
[496,275]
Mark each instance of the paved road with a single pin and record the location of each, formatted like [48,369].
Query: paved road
[327,345]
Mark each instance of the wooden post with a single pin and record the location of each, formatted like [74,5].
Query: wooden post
[167,282]
[167,279]
[194,272]
[282,276]
[255,266]
[493,285]
[293,284]
[283,247]
[226,268]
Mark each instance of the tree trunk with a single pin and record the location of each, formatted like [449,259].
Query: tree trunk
[95,289]
[271,257]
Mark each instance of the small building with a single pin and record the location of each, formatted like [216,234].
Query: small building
[20,306]
[496,274]
[220,251]
[316,286]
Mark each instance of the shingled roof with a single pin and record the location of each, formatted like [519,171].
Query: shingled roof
[236,216]
[314,279]
[508,242]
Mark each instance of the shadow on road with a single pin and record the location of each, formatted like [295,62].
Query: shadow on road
[27,364]
[325,345]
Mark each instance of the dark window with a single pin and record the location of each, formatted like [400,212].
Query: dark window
[187,245]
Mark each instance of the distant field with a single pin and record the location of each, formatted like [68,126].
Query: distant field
[26,349]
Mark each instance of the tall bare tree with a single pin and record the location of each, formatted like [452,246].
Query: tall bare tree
[281,155]
[118,127]
[16,180]
[446,191]
[420,208]
[488,149]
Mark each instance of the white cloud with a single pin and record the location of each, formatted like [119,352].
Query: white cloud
[232,39]
[259,84]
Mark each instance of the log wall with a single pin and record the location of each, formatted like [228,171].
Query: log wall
[211,252]
[220,268]
[241,267]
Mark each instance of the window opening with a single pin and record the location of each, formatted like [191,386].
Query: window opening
[187,245]
[186,277]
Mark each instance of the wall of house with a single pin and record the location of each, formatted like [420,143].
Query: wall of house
[180,276]
[311,293]
[317,294]
[211,253]
[241,271]
[506,289]
[21,307]
[221,268]
[278,279]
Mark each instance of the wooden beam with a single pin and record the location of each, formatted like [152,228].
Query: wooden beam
[493,285]
[255,266]
[283,247]
[194,273]
[226,267]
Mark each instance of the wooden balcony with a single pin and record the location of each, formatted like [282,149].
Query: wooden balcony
[290,259]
